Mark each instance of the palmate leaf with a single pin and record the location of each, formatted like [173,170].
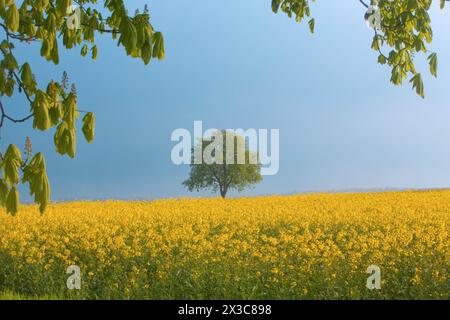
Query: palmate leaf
[84,50]
[11,164]
[40,108]
[402,26]
[65,139]
[9,62]
[12,17]
[70,113]
[432,59]
[3,192]
[146,52]
[63,6]
[94,52]
[89,127]
[12,201]
[158,45]
[26,76]
[36,176]
[417,82]
[312,24]
[128,35]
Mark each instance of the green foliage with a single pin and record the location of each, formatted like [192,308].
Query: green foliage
[27,78]
[298,8]
[12,201]
[417,82]
[3,192]
[40,108]
[89,126]
[225,175]
[158,46]
[312,23]
[52,24]
[12,17]
[35,174]
[405,32]
[432,58]
[11,164]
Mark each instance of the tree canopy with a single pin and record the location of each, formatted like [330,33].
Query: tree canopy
[227,164]
[402,30]
[52,23]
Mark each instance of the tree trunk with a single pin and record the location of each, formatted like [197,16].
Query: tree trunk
[223,192]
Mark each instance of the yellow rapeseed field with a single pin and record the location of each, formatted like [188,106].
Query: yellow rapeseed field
[278,247]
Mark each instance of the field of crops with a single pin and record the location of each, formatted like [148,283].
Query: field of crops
[280,247]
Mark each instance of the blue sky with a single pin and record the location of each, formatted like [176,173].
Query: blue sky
[235,64]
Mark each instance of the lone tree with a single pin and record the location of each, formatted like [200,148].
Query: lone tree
[401,32]
[227,164]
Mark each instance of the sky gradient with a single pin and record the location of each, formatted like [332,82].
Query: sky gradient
[235,64]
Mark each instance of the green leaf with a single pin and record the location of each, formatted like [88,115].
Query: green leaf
[40,108]
[50,22]
[417,82]
[11,163]
[419,45]
[275,5]
[84,50]
[311,25]
[146,52]
[12,201]
[65,139]
[35,174]
[377,43]
[63,6]
[381,59]
[9,62]
[442,5]
[432,59]
[54,114]
[70,113]
[94,52]
[158,45]
[9,88]
[54,54]
[396,77]
[26,76]
[3,192]
[2,81]
[12,18]
[128,36]
[46,48]
[61,138]
[89,127]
